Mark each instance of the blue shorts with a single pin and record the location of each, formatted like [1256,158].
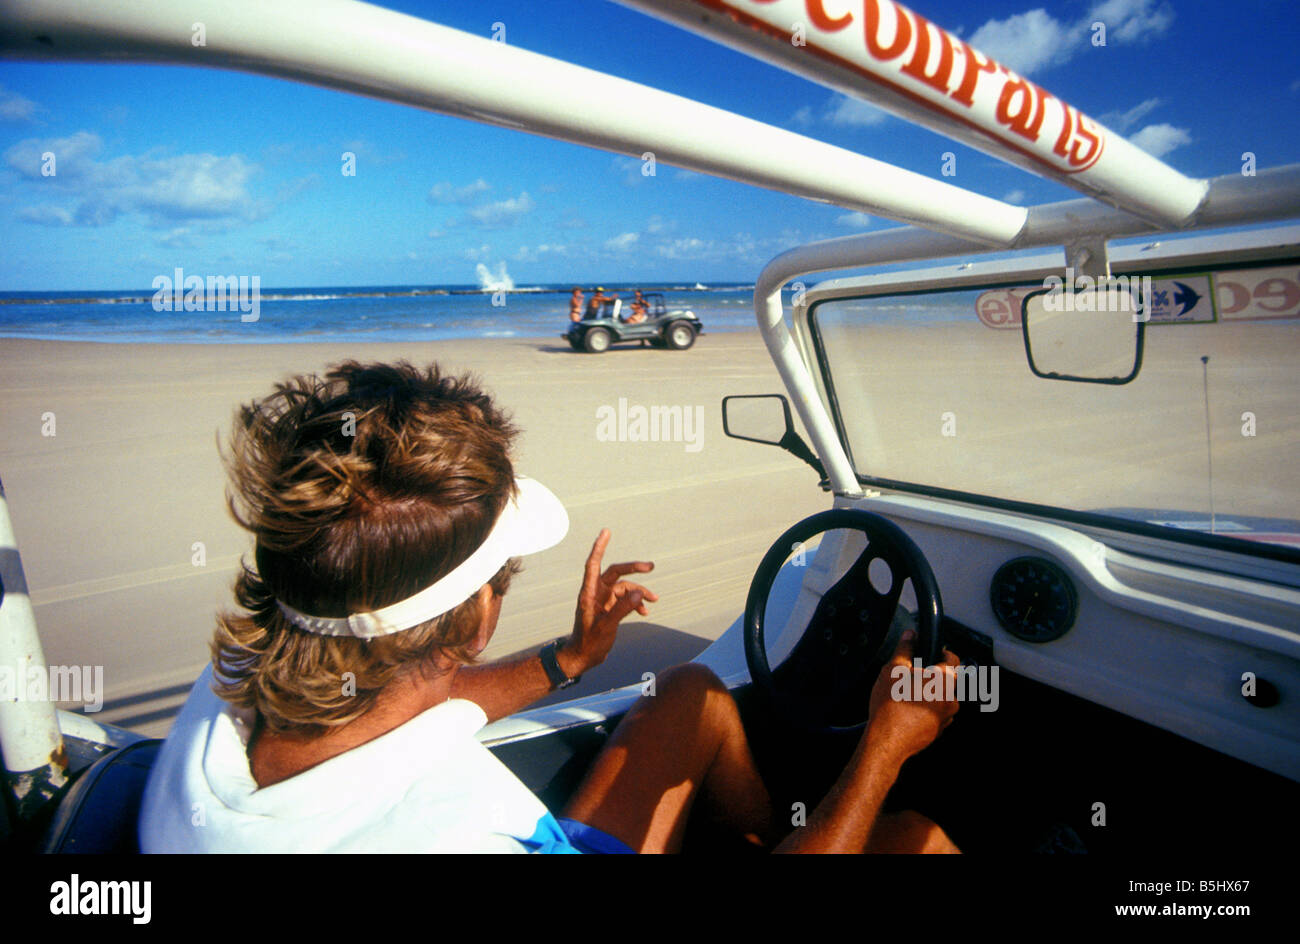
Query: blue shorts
[591,840]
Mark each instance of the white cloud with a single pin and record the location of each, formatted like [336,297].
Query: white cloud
[683,248]
[14,107]
[181,237]
[742,245]
[180,188]
[502,212]
[1024,41]
[448,193]
[478,254]
[1014,196]
[1123,120]
[842,111]
[634,171]
[191,185]
[1035,39]
[535,253]
[853,112]
[371,155]
[46,215]
[622,243]
[854,220]
[1159,140]
[1131,21]
[74,157]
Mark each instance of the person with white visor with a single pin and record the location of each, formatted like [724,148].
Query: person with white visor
[341,706]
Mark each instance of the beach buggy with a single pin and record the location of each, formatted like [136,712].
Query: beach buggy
[675,328]
[1102,526]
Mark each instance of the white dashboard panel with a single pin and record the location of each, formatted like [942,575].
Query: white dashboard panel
[1162,642]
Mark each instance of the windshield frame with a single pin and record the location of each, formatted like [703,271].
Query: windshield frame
[1146,260]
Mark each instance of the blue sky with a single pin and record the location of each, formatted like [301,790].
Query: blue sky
[222,172]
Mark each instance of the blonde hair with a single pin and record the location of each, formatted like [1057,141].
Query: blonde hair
[361,488]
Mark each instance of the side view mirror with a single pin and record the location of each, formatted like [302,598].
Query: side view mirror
[765,418]
[761,418]
[1091,335]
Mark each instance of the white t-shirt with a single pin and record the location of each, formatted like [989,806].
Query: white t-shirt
[426,786]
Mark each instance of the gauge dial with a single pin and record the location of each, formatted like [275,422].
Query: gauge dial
[1033,599]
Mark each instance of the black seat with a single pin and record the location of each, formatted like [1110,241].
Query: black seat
[101,809]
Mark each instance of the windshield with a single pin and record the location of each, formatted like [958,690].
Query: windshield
[934,390]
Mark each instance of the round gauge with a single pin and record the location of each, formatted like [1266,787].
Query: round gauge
[1033,599]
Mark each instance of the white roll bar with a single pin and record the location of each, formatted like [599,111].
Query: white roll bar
[883,52]
[361,48]
[35,762]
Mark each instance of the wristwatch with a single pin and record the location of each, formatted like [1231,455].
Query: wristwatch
[552,666]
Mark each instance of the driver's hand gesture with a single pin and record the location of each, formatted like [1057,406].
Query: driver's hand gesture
[604,600]
[907,725]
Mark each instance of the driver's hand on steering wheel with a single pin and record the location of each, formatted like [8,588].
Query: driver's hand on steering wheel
[604,600]
[906,726]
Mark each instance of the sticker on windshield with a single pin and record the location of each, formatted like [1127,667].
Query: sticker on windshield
[1182,300]
[1000,307]
[1258,294]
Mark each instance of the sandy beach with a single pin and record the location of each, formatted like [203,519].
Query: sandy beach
[129,549]
[115,510]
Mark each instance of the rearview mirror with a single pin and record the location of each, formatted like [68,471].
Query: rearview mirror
[1092,334]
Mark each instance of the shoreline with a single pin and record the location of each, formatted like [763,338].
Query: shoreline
[271,295]
[323,292]
[297,340]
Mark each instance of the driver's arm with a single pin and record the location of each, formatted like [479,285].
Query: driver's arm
[508,685]
[843,821]
[511,684]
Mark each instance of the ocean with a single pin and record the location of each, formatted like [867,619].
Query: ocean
[359,313]
[341,313]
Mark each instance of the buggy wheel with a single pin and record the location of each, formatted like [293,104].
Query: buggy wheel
[596,341]
[679,336]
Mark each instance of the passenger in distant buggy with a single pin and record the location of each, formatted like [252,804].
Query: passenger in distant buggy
[639,309]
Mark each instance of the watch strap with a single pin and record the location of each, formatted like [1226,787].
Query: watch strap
[552,666]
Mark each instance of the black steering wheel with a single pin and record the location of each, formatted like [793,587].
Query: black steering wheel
[825,683]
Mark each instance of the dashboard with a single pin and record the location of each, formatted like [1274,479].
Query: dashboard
[1211,656]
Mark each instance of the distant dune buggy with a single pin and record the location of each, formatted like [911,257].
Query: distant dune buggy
[675,328]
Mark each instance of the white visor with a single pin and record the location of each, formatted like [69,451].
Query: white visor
[533,521]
